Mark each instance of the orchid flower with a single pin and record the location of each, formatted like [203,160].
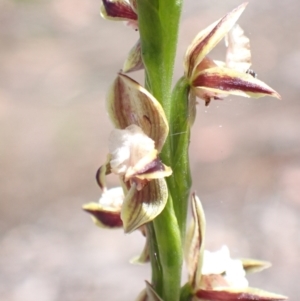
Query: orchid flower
[211,80]
[214,275]
[134,147]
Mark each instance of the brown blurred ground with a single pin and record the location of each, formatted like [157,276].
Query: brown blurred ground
[57,60]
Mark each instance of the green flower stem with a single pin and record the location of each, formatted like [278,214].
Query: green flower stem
[181,119]
[158,26]
[170,252]
[157,277]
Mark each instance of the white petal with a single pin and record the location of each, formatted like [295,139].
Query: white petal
[219,262]
[235,274]
[215,262]
[127,147]
[112,198]
[238,56]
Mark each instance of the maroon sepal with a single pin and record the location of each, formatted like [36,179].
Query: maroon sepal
[103,171]
[154,166]
[228,83]
[106,218]
[116,9]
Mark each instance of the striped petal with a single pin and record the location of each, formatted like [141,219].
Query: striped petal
[217,82]
[208,38]
[194,245]
[129,103]
[134,60]
[142,206]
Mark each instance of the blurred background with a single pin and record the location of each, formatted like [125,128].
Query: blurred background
[58,58]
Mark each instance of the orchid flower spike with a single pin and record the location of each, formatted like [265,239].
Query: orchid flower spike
[215,80]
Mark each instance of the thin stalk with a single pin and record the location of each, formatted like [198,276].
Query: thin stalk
[157,277]
[158,26]
[180,130]
[170,252]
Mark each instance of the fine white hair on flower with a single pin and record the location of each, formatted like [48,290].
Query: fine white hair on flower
[112,198]
[219,262]
[238,56]
[235,274]
[130,148]
[215,262]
